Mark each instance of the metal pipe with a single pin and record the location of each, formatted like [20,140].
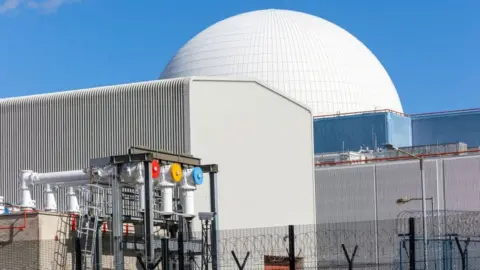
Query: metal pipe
[424,204]
[424,217]
[55,177]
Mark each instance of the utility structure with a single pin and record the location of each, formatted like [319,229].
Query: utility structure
[147,188]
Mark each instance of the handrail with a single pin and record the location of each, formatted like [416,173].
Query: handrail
[359,112]
[22,227]
[395,112]
[373,160]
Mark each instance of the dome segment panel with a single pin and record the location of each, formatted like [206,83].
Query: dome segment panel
[307,58]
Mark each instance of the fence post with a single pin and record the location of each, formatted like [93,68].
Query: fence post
[411,235]
[463,252]
[291,246]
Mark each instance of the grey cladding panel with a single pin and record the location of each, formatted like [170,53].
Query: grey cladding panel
[348,193]
[62,131]
[345,194]
[463,183]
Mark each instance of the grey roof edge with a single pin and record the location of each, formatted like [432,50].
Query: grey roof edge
[88,91]
[118,87]
[246,79]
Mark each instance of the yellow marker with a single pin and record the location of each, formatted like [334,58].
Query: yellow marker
[176,172]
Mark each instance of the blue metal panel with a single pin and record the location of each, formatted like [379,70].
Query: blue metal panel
[447,128]
[343,133]
[399,130]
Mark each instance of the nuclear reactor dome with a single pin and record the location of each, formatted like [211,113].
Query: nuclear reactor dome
[307,58]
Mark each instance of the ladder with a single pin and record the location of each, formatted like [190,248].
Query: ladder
[91,208]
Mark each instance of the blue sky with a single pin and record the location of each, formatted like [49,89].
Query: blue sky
[431,49]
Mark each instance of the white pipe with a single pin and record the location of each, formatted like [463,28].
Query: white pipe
[26,203]
[51,205]
[55,177]
[2,206]
[142,198]
[72,201]
[188,202]
[166,186]
[188,188]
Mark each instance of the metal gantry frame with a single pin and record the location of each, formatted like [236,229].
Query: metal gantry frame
[109,173]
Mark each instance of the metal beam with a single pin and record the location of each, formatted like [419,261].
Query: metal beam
[148,217]
[214,209]
[209,168]
[166,156]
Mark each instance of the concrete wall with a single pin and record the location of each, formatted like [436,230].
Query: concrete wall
[263,144]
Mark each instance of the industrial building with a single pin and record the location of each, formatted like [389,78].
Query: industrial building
[266,95]
[372,129]
[206,117]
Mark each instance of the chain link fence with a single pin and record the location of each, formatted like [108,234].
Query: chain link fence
[453,243]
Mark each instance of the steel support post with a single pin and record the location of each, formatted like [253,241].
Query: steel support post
[180,238]
[78,251]
[291,247]
[148,218]
[165,259]
[117,222]
[98,248]
[215,223]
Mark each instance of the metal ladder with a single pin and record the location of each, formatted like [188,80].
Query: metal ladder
[91,208]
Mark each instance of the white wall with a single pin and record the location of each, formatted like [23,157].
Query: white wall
[263,144]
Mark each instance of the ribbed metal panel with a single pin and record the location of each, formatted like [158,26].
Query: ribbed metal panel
[368,192]
[62,131]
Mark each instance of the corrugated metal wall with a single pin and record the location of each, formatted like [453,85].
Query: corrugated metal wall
[62,131]
[447,128]
[349,133]
[365,196]
[368,192]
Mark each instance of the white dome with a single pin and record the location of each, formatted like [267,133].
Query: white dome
[307,58]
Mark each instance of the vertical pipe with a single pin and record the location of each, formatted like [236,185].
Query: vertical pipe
[444,198]
[148,217]
[117,223]
[142,197]
[424,215]
[411,242]
[291,246]
[215,223]
[377,255]
[165,260]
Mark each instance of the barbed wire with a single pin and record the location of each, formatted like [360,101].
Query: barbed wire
[441,222]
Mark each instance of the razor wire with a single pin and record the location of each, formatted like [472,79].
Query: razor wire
[443,222]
